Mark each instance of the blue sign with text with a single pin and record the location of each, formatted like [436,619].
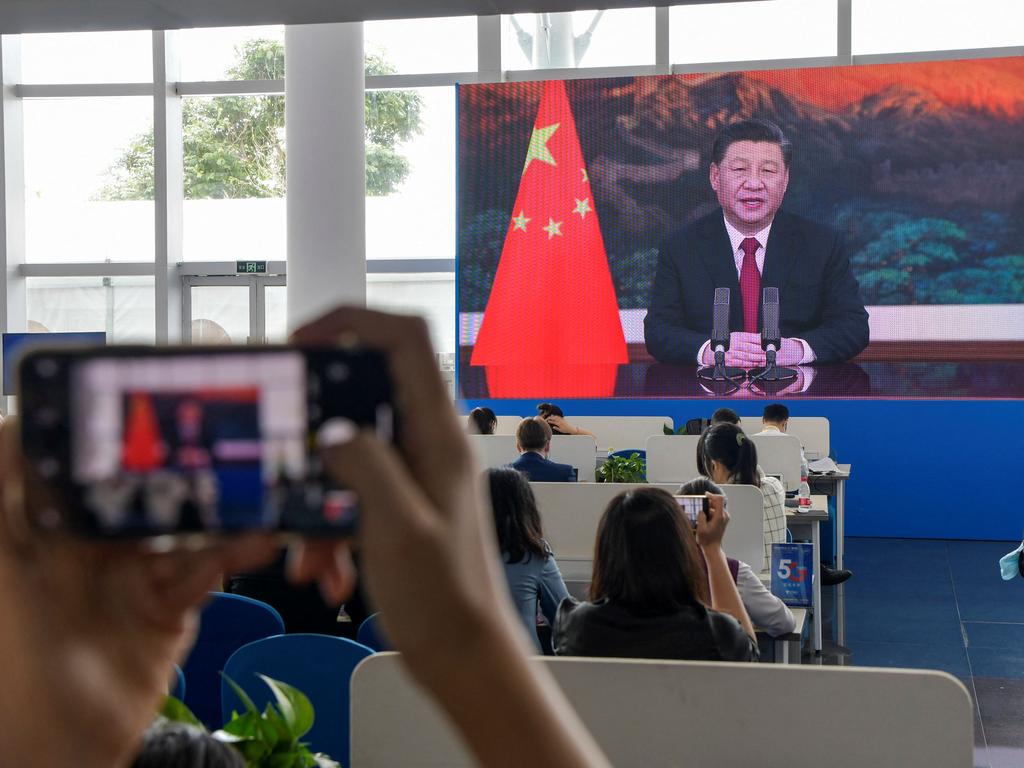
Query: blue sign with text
[793,573]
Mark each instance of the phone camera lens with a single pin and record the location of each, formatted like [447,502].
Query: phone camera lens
[337,372]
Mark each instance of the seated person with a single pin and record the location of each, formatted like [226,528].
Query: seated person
[481,421]
[774,421]
[767,612]
[169,744]
[533,441]
[530,567]
[553,415]
[726,455]
[725,416]
[650,597]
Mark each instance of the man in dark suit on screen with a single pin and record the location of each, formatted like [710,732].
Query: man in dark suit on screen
[747,245]
[533,441]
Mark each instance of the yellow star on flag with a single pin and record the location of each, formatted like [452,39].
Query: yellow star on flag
[553,228]
[582,207]
[538,149]
[586,179]
[520,221]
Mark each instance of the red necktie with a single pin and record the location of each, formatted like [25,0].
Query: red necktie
[750,283]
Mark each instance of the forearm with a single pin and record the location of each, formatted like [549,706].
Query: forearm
[512,713]
[724,595]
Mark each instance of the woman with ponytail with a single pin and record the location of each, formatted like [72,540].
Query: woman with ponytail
[730,457]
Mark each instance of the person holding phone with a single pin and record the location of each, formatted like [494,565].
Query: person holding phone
[767,612]
[649,595]
[92,627]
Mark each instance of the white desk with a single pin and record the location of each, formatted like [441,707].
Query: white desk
[834,484]
[810,522]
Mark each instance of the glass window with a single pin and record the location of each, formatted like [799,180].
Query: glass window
[122,307]
[410,204]
[275,313]
[431,295]
[612,38]
[220,314]
[415,46]
[89,179]
[232,53]
[87,57]
[771,29]
[234,178]
[885,26]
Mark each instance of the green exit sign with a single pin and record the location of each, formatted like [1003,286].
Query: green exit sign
[251,267]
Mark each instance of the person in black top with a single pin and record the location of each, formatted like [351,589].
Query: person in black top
[648,595]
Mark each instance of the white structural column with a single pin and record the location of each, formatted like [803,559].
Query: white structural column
[12,190]
[324,98]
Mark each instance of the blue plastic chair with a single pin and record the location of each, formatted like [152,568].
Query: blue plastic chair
[627,452]
[177,686]
[371,634]
[318,665]
[227,623]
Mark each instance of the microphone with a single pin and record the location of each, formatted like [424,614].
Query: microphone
[719,372]
[771,340]
[771,337]
[720,322]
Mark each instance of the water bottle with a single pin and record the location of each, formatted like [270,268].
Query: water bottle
[804,493]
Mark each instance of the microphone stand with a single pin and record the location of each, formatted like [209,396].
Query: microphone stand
[771,372]
[720,373]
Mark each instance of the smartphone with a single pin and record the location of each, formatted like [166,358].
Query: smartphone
[692,506]
[136,442]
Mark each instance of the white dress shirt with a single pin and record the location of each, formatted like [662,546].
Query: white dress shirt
[736,239]
[767,612]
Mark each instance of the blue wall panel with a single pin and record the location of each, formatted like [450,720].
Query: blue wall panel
[944,469]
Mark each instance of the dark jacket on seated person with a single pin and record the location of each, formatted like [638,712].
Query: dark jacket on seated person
[541,470]
[692,633]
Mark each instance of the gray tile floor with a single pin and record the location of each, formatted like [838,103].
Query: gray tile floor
[939,605]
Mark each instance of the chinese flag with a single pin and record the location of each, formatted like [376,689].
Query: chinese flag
[552,327]
[143,448]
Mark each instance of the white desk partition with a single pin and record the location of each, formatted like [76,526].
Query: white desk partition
[620,433]
[569,515]
[507,425]
[662,714]
[493,450]
[671,458]
[578,450]
[811,431]
[780,455]
[744,538]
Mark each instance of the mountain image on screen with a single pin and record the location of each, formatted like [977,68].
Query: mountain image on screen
[919,166]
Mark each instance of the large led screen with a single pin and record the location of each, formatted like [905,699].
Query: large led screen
[883,206]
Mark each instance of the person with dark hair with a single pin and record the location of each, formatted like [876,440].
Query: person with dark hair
[767,612]
[729,456]
[168,744]
[650,597]
[530,567]
[774,422]
[748,244]
[533,441]
[481,421]
[725,416]
[555,418]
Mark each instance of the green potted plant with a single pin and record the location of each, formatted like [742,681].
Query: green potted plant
[267,739]
[623,469]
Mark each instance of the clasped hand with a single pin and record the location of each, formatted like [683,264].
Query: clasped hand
[745,352]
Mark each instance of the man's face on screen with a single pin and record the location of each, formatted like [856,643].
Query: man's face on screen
[750,183]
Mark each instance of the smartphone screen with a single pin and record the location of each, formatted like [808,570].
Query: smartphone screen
[692,506]
[150,441]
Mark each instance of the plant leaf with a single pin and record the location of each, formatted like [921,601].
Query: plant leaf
[176,710]
[294,705]
[249,706]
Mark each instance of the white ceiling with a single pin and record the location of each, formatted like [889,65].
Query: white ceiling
[79,15]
